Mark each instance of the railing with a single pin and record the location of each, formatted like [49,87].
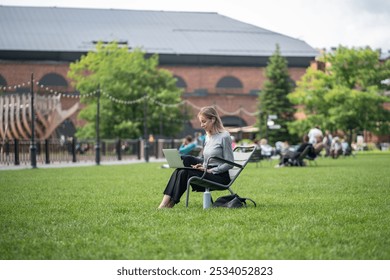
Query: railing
[17,152]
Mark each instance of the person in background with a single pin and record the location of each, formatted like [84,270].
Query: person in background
[346,149]
[290,156]
[327,141]
[266,149]
[315,135]
[217,144]
[335,148]
[234,144]
[199,138]
[187,146]
[281,148]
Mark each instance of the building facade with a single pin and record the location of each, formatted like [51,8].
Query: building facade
[216,60]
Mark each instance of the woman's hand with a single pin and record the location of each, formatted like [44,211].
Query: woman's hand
[200,167]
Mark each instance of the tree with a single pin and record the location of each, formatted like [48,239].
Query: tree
[348,96]
[126,80]
[309,96]
[273,99]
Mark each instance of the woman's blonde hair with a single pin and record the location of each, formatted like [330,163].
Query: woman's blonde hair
[210,113]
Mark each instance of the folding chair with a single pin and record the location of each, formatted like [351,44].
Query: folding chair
[304,155]
[241,154]
[256,156]
[299,160]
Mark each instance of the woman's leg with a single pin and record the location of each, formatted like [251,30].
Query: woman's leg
[177,184]
[167,198]
[166,202]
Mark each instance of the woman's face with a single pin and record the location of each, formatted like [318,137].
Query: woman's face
[206,123]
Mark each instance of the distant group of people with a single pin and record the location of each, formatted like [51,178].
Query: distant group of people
[334,146]
[315,141]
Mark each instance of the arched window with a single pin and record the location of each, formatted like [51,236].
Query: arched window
[3,82]
[292,83]
[53,79]
[233,121]
[229,82]
[180,83]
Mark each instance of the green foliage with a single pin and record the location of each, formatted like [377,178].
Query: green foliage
[126,80]
[109,212]
[273,99]
[357,68]
[347,96]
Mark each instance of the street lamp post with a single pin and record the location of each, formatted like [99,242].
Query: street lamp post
[146,139]
[33,148]
[260,123]
[97,146]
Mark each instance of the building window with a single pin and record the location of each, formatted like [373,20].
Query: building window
[180,83]
[292,83]
[3,82]
[229,82]
[54,80]
[233,121]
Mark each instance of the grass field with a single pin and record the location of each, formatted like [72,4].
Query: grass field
[339,209]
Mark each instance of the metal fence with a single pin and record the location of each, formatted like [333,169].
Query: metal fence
[18,152]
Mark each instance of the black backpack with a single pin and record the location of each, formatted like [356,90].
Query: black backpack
[232,201]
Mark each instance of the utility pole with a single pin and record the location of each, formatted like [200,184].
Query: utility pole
[33,148]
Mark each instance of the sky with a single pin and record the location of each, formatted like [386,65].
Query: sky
[320,23]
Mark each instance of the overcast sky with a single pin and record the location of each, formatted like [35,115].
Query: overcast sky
[320,23]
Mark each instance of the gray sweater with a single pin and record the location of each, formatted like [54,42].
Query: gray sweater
[219,145]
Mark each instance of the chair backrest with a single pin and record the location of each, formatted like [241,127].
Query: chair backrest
[256,156]
[241,154]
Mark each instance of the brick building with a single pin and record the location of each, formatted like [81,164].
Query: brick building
[216,59]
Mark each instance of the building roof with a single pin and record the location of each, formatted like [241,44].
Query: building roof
[65,33]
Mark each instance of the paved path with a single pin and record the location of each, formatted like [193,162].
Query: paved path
[78,164]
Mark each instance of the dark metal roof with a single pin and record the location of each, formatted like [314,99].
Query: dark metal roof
[63,32]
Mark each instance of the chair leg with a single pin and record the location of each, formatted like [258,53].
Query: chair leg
[188,193]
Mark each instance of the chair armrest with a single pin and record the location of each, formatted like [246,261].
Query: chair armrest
[224,161]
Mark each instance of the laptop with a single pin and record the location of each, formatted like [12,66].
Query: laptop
[173,158]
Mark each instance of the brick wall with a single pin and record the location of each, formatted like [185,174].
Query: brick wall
[252,79]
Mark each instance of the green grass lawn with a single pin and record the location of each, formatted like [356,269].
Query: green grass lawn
[339,209]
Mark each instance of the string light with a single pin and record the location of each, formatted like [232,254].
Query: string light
[129,102]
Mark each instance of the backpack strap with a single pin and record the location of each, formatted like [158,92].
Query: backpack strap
[244,199]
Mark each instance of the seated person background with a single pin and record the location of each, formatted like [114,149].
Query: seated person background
[291,156]
[281,148]
[319,145]
[336,148]
[185,150]
[315,135]
[266,150]
[346,149]
[187,146]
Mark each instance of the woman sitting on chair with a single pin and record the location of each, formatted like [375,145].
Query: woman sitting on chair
[217,144]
